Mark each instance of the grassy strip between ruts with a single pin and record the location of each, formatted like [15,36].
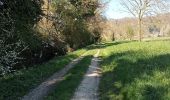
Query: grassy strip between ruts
[14,86]
[65,90]
[136,71]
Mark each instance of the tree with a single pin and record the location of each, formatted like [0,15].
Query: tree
[73,16]
[142,8]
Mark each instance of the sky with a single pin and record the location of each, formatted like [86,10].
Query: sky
[114,10]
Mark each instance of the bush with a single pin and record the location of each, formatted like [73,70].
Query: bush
[130,32]
[9,56]
[10,48]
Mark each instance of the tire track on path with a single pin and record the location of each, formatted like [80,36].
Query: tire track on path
[88,88]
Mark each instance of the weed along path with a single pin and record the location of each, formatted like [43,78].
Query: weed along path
[44,88]
[88,88]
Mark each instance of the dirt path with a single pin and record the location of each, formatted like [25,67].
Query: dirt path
[89,86]
[44,88]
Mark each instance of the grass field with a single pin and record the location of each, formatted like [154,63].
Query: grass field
[136,71]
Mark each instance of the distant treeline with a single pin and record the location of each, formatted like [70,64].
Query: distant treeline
[127,28]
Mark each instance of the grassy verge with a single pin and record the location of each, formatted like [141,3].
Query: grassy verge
[14,86]
[66,89]
[136,71]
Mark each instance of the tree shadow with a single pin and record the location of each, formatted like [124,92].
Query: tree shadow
[154,93]
[125,70]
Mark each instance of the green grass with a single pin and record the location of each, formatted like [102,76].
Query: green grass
[65,89]
[14,86]
[131,71]
[136,71]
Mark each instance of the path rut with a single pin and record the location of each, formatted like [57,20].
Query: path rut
[88,88]
[44,88]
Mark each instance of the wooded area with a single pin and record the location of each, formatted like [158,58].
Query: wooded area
[33,31]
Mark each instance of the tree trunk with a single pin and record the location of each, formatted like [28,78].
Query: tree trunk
[140,29]
[113,36]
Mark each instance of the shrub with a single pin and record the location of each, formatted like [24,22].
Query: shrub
[130,32]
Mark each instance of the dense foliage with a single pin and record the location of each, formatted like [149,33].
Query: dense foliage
[32,31]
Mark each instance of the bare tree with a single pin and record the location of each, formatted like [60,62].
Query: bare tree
[143,8]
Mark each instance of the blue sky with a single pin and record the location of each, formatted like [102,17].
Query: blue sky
[114,10]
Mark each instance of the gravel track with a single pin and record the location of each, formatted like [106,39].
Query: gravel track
[88,88]
[44,88]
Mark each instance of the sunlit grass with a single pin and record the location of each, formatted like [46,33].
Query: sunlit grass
[136,71]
